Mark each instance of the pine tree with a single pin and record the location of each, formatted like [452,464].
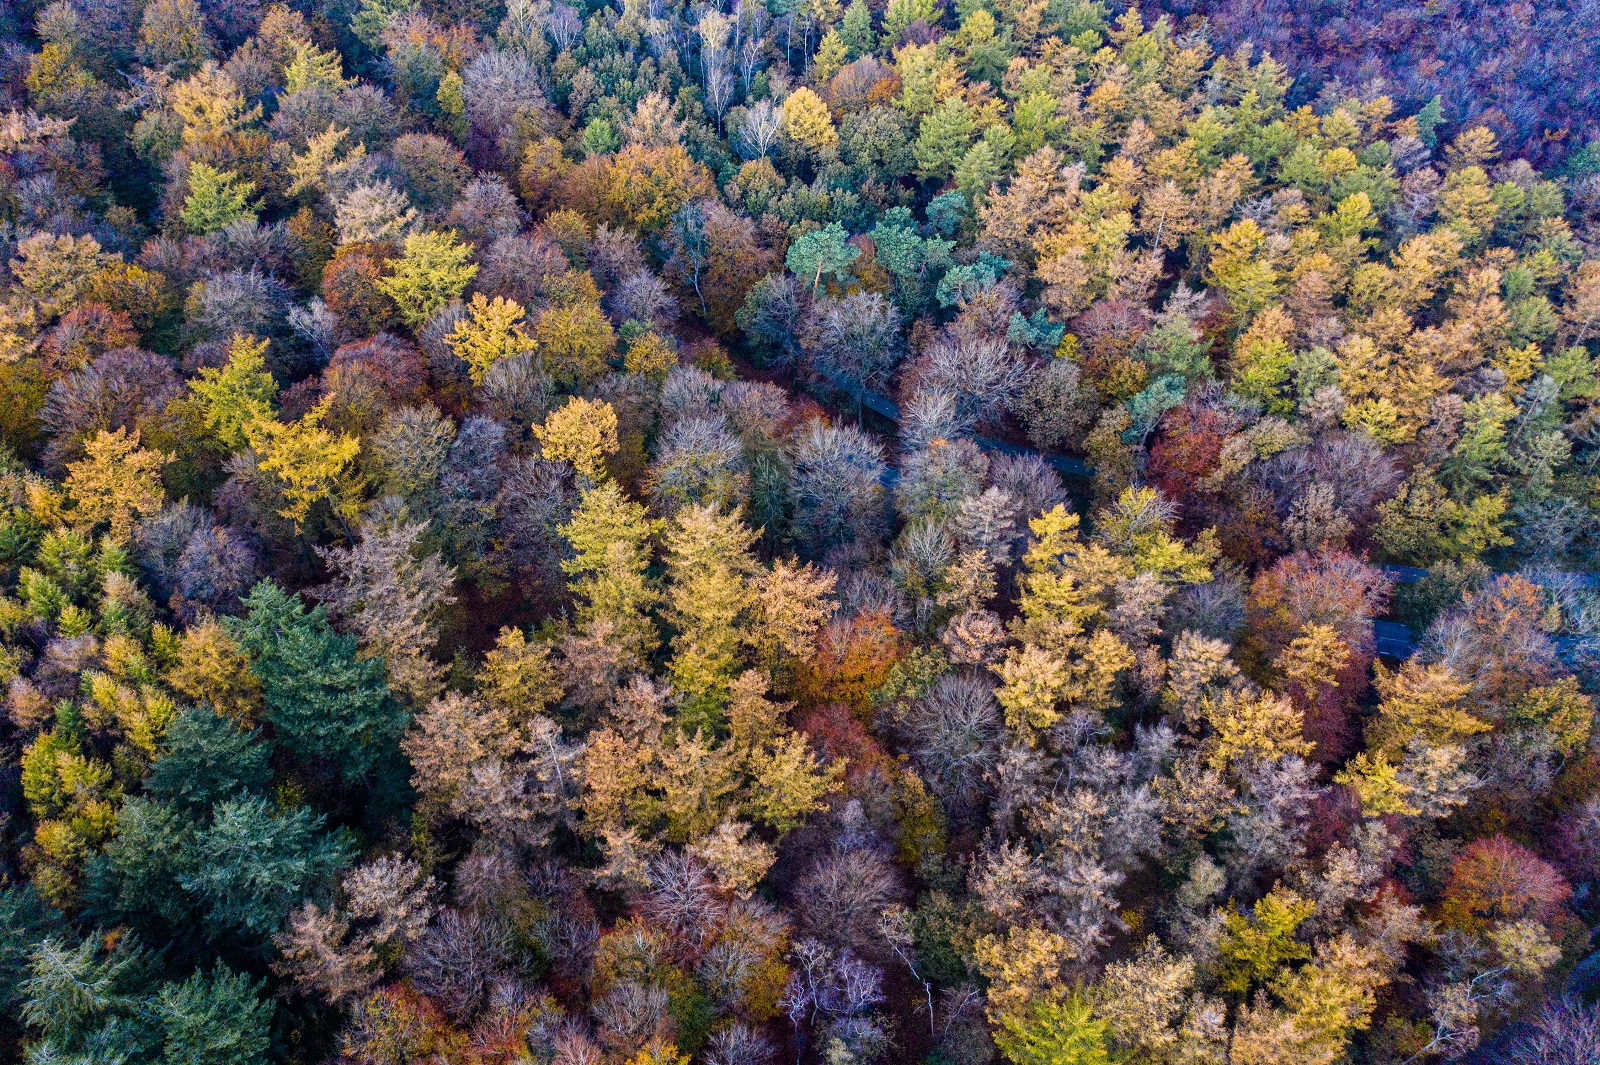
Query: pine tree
[208,759]
[254,863]
[218,1019]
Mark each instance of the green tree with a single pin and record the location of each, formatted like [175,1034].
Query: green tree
[255,862]
[1054,1034]
[1422,523]
[600,138]
[310,462]
[75,994]
[216,198]
[432,271]
[312,66]
[208,758]
[138,879]
[856,30]
[25,923]
[942,139]
[214,1020]
[233,398]
[822,251]
[322,700]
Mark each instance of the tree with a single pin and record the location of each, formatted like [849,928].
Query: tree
[610,539]
[390,595]
[708,603]
[793,602]
[716,253]
[1054,1033]
[573,342]
[231,399]
[644,186]
[491,331]
[771,319]
[216,198]
[310,463]
[117,483]
[856,29]
[806,121]
[1421,524]
[254,863]
[215,1020]
[512,777]
[208,667]
[321,698]
[942,140]
[1255,948]
[855,342]
[74,993]
[1265,727]
[822,251]
[837,490]
[374,213]
[173,31]
[1494,879]
[1425,703]
[432,271]
[207,760]
[517,677]
[583,433]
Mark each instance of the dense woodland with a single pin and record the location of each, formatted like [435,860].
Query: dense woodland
[464,598]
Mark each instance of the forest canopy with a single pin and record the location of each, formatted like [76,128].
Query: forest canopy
[1026,531]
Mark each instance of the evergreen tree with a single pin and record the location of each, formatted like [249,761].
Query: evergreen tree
[218,1019]
[254,863]
[323,701]
[207,759]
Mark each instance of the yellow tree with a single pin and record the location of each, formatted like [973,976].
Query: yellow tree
[491,331]
[583,433]
[611,543]
[116,482]
[241,393]
[574,342]
[709,603]
[431,273]
[806,121]
[310,463]
[1422,702]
